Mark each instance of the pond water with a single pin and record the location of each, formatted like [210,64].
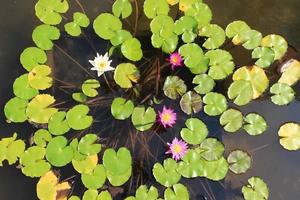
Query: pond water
[278,167]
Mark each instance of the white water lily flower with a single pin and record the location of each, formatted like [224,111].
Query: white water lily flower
[101,64]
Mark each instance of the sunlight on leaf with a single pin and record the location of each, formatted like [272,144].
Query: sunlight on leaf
[289,134]
[290,72]
[79,20]
[120,37]
[79,97]
[235,28]
[277,43]
[85,166]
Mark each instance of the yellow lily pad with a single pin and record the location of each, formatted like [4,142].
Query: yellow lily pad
[39,77]
[291,73]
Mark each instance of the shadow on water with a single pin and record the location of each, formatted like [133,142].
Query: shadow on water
[270,161]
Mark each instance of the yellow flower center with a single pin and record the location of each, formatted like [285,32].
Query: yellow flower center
[102,66]
[174,59]
[177,148]
[166,117]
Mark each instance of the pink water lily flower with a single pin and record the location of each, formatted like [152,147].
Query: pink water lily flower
[178,149]
[167,117]
[175,60]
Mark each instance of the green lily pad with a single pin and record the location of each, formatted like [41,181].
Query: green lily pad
[166,174]
[122,8]
[265,56]
[201,12]
[144,193]
[186,26]
[87,145]
[236,28]
[162,25]
[126,74]
[58,153]
[277,43]
[205,83]
[168,45]
[96,179]
[191,165]
[153,8]
[118,180]
[43,35]
[49,11]
[179,192]
[85,166]
[121,109]
[289,134]
[174,87]
[78,119]
[240,92]
[256,189]
[79,20]
[283,94]
[191,102]
[132,50]
[89,87]
[74,198]
[221,64]
[79,97]
[195,132]
[143,119]
[90,195]
[31,57]
[41,137]
[11,149]
[22,89]
[250,39]
[231,120]
[215,36]
[215,170]
[255,124]
[39,109]
[117,163]
[120,37]
[216,103]
[15,110]
[184,5]
[106,25]
[40,77]
[239,161]
[188,36]
[211,149]
[104,195]
[33,163]
[58,124]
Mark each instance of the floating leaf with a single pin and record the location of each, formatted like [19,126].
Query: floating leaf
[121,109]
[144,193]
[118,180]
[87,145]
[80,20]
[179,192]
[186,4]
[195,132]
[289,134]
[120,37]
[216,103]
[277,43]
[131,49]
[191,165]
[122,8]
[215,36]
[39,77]
[15,110]
[33,163]
[49,11]
[43,35]
[79,97]
[256,189]
[200,11]
[104,195]
[153,8]
[143,119]
[191,102]
[255,124]
[256,76]
[85,166]
[186,25]
[58,153]
[231,120]
[236,28]
[211,149]
[125,74]
[96,179]
[31,57]
[58,124]
[264,55]
[168,44]
[41,137]
[89,87]
[283,94]
[22,88]
[241,92]
[162,25]
[174,87]
[239,161]
[215,170]
[205,83]
[90,195]
[221,64]
[290,72]
[74,198]
[39,110]
[166,174]
[250,39]
[106,25]
[78,119]
[11,149]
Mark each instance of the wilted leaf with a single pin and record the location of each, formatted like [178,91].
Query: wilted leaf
[174,87]
[289,134]
[191,102]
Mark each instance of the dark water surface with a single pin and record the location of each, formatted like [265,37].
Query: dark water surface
[279,168]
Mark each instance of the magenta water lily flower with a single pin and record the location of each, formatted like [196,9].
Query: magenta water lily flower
[167,117]
[175,60]
[178,149]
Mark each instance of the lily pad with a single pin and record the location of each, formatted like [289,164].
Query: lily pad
[31,57]
[185,23]
[122,8]
[40,77]
[283,94]
[215,170]
[184,5]
[231,120]
[211,149]
[174,87]
[144,193]
[255,124]
[195,132]
[15,110]
[11,149]
[290,73]
[120,37]
[153,8]
[162,25]
[256,189]
[42,137]
[277,43]
[132,50]
[236,28]
[216,103]
[205,83]
[166,174]
[179,192]
[85,166]
[79,20]
[79,97]
[215,36]
[191,102]
[191,165]
[87,145]
[106,25]
[143,119]
[43,35]
[289,134]
[22,88]
[96,179]
[58,124]
[39,109]
[104,195]
[239,161]
[118,180]
[121,108]
[58,153]
[126,74]
[200,11]
[264,55]
[240,92]
[78,119]
[89,87]
[250,39]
